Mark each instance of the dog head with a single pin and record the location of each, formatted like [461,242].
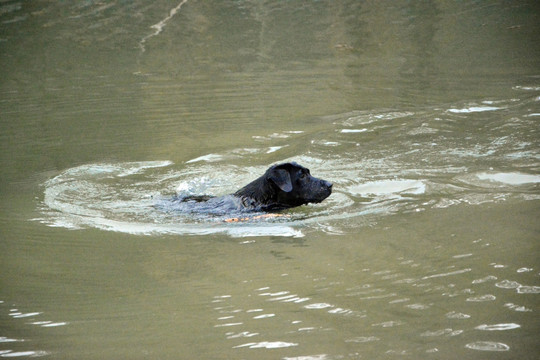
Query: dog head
[294,185]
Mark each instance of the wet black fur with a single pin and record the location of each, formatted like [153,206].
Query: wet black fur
[284,186]
[281,187]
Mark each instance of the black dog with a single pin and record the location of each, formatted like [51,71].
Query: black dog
[283,186]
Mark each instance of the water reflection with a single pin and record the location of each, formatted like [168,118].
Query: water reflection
[488,346]
[266,345]
[498,327]
[393,297]
[16,314]
[20,319]
[23,354]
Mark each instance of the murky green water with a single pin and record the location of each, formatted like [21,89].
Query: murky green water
[424,115]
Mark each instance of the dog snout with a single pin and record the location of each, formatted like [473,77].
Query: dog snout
[327,184]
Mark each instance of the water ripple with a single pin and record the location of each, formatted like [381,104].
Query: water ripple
[25,354]
[442,332]
[507,284]
[528,289]
[457,315]
[498,327]
[517,307]
[266,345]
[482,298]
[487,346]
[388,180]
[447,274]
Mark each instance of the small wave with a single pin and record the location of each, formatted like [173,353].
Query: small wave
[24,354]
[457,315]
[487,346]
[457,272]
[527,88]
[388,187]
[473,109]
[364,118]
[363,339]
[266,345]
[482,298]
[528,289]
[498,327]
[207,158]
[514,178]
[345,131]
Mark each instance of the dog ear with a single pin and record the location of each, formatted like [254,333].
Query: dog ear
[282,179]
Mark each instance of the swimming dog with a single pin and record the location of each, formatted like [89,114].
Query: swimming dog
[281,187]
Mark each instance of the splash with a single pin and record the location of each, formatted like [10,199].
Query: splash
[123,198]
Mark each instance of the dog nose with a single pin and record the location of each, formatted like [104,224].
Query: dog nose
[328,184]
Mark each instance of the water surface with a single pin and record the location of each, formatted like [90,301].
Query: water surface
[423,115]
